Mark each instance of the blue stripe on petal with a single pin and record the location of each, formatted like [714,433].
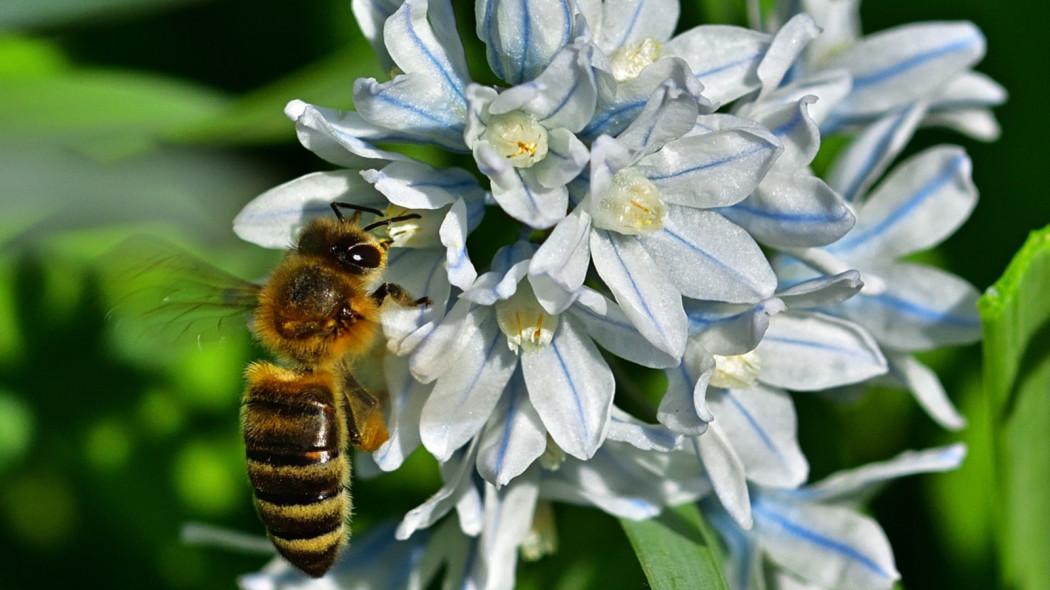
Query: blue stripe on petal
[925,192]
[815,538]
[924,314]
[516,389]
[769,444]
[819,345]
[634,21]
[911,63]
[580,414]
[696,249]
[733,64]
[451,81]
[735,157]
[784,216]
[641,298]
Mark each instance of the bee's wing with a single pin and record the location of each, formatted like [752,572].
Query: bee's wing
[162,291]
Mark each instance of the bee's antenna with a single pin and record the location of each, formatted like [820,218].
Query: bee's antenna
[390,220]
[339,214]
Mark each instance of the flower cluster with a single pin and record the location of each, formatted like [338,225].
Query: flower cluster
[667,215]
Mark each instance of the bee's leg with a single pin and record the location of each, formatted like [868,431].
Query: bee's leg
[366,428]
[399,295]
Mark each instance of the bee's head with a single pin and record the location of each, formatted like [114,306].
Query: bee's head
[344,243]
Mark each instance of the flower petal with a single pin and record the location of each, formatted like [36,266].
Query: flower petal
[514,437]
[647,437]
[465,395]
[726,472]
[714,169]
[453,233]
[406,403]
[630,21]
[559,267]
[761,425]
[569,89]
[805,351]
[927,389]
[615,114]
[274,218]
[571,388]
[429,358]
[855,485]
[725,59]
[518,191]
[508,518]
[566,157]
[648,298]
[415,185]
[683,407]
[830,546]
[857,167]
[610,327]
[456,473]
[422,40]
[784,49]
[923,201]
[730,328]
[522,37]
[668,114]
[822,291]
[792,211]
[724,263]
[897,66]
[921,307]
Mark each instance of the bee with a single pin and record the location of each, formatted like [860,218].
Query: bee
[318,311]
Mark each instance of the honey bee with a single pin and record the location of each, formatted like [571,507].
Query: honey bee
[318,311]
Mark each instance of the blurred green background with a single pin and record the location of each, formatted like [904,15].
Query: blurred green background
[122,117]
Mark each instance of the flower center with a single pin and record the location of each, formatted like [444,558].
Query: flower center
[736,372]
[632,205]
[527,326]
[518,137]
[418,232]
[629,61]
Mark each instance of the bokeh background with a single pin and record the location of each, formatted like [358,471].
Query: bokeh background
[164,117]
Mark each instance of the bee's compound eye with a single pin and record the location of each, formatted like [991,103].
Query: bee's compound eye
[365,255]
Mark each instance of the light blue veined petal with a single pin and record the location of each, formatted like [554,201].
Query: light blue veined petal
[796,130]
[822,291]
[464,396]
[783,51]
[828,87]
[559,266]
[857,167]
[501,282]
[571,388]
[724,262]
[421,272]
[614,114]
[830,546]
[926,388]
[274,218]
[922,201]
[854,486]
[745,566]
[805,351]
[726,472]
[921,307]
[518,191]
[421,37]
[453,233]
[897,66]
[631,21]
[566,158]
[724,59]
[569,89]
[714,169]
[429,359]
[610,327]
[340,136]
[415,185]
[647,437]
[683,407]
[405,405]
[964,105]
[646,296]
[508,519]
[792,211]
[669,113]
[458,484]
[413,107]
[730,328]
[513,438]
[521,37]
[761,425]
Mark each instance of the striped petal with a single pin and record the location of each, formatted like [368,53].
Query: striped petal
[922,202]
[646,296]
[559,267]
[897,66]
[714,169]
[683,407]
[792,211]
[571,388]
[829,546]
[784,50]
[342,137]
[647,437]
[610,327]
[921,307]
[514,437]
[405,406]
[730,328]
[630,21]
[927,389]
[616,113]
[415,185]
[805,351]
[864,160]
[465,395]
[856,485]
[724,59]
[521,38]
[726,472]
[725,262]
[519,192]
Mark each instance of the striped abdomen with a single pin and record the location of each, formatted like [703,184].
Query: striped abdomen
[294,435]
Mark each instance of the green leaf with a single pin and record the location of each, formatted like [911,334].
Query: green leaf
[677,550]
[1016,318]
